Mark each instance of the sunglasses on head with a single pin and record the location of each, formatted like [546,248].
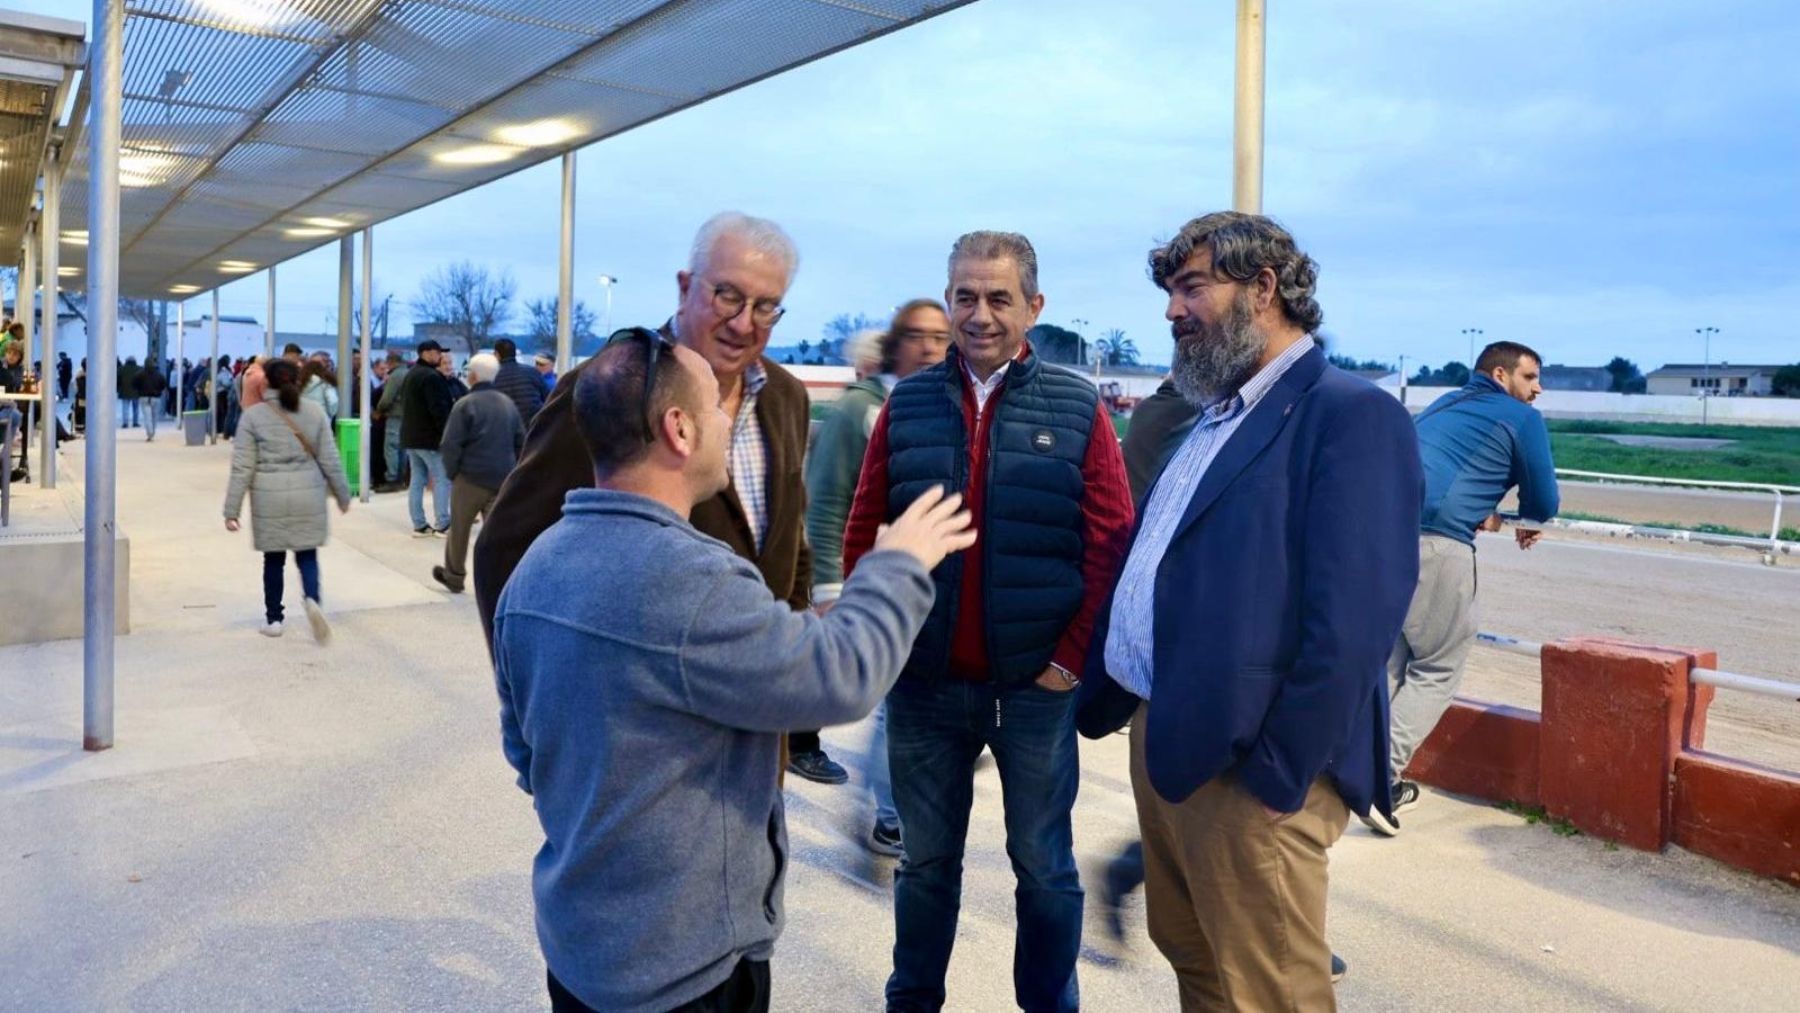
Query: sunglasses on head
[654,346]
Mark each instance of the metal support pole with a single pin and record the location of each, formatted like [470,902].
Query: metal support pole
[269,328]
[346,268]
[1247,115]
[24,307]
[105,64]
[180,370]
[364,382]
[212,376]
[52,249]
[565,285]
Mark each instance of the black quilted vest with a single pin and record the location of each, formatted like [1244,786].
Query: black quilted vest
[1031,531]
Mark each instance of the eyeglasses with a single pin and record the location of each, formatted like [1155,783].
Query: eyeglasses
[728,301]
[938,338]
[654,344]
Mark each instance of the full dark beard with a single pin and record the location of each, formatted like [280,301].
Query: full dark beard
[1211,363]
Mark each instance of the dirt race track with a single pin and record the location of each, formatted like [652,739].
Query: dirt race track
[1649,504]
[1722,600]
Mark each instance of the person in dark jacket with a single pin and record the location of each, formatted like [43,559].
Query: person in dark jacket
[1033,449]
[428,398]
[481,444]
[148,387]
[65,374]
[518,381]
[126,389]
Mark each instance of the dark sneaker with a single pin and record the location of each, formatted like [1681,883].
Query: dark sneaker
[816,766]
[885,840]
[1338,968]
[422,531]
[443,532]
[1405,795]
[1124,874]
[443,577]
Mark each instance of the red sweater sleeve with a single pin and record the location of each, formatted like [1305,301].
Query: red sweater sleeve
[868,510]
[1106,516]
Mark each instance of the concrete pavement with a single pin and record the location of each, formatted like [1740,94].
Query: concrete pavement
[284,826]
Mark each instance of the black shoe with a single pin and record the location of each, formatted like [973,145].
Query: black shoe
[442,576]
[1124,874]
[885,840]
[422,531]
[1405,795]
[1338,968]
[814,765]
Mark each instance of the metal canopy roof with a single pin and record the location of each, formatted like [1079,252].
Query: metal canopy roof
[256,130]
[38,60]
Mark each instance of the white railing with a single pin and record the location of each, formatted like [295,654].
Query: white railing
[1760,685]
[1773,543]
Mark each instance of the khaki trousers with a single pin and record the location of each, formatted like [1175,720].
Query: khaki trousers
[467,501]
[1236,900]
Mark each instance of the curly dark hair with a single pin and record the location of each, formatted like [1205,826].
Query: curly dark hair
[1242,246]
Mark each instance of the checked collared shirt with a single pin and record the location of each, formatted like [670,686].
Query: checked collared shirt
[749,462]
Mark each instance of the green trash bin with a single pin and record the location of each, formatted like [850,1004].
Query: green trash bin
[350,452]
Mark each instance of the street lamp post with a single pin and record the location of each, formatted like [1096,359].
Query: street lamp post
[1706,334]
[1472,333]
[607,282]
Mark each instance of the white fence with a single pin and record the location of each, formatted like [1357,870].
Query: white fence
[1736,411]
[1757,684]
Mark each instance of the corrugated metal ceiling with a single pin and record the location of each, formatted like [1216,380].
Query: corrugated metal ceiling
[256,130]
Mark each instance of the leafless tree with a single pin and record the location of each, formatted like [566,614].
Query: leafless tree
[542,314]
[468,297]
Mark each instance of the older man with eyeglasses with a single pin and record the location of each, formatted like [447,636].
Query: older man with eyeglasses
[729,302]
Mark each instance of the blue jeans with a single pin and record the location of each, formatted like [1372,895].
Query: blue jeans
[935,732]
[881,783]
[428,465]
[390,448]
[151,407]
[307,560]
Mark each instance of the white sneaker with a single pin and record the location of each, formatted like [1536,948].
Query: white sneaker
[272,629]
[321,627]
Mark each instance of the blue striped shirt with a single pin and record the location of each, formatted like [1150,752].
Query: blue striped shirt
[1130,643]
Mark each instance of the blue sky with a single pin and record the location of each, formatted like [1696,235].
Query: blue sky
[1591,178]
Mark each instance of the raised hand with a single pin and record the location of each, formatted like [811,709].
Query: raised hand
[932,528]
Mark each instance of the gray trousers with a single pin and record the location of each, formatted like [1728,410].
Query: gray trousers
[467,501]
[1427,663]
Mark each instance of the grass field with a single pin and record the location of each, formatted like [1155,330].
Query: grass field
[1760,454]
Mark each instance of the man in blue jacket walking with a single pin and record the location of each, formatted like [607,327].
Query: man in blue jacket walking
[1476,443]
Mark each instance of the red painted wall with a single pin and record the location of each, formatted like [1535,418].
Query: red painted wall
[1739,813]
[1482,749]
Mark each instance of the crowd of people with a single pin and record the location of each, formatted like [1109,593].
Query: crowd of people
[1270,585]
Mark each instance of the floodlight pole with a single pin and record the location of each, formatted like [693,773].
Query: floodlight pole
[565,279]
[364,383]
[106,61]
[212,376]
[1247,118]
[52,229]
[346,269]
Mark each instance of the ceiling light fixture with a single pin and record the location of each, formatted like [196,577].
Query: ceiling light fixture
[539,134]
[328,223]
[75,237]
[309,232]
[67,272]
[476,154]
[236,266]
[183,289]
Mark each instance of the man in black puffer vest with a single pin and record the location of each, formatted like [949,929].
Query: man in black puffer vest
[518,381]
[1033,452]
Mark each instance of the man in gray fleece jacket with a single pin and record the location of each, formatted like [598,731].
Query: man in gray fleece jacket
[646,675]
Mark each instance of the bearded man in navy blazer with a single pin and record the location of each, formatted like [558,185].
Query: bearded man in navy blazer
[1247,637]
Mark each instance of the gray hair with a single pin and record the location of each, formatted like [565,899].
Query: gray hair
[484,367]
[988,245]
[1242,245]
[761,234]
[865,348]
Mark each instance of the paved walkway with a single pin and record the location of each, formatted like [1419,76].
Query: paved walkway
[283,826]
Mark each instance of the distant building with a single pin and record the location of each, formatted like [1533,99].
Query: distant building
[1595,378]
[1721,379]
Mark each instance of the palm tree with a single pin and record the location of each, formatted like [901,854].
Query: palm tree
[1115,349]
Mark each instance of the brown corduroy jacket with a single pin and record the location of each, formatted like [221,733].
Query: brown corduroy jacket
[555,461]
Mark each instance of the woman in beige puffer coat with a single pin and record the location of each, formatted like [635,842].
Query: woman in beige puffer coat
[285,458]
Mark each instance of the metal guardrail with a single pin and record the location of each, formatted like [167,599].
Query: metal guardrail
[1760,685]
[1773,543]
